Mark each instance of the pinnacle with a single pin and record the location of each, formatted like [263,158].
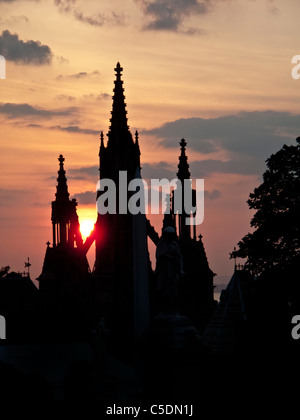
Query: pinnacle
[62,188]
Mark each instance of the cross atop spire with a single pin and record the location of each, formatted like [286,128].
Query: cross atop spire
[183,166]
[118,114]
[61,160]
[118,69]
[62,193]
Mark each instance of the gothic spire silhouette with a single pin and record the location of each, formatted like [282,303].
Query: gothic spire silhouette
[184,229]
[64,217]
[62,193]
[183,166]
[120,151]
[101,139]
[136,138]
[118,120]
[115,234]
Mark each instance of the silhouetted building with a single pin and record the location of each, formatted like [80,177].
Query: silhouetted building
[223,334]
[196,296]
[122,270]
[65,283]
[114,272]
[18,304]
[84,315]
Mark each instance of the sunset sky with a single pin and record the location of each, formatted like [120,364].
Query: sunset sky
[216,72]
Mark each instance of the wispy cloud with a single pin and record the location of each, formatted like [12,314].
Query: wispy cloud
[13,19]
[79,75]
[86,97]
[61,60]
[248,138]
[96,19]
[236,165]
[86,197]
[158,170]
[257,133]
[24,52]
[93,97]
[75,129]
[212,195]
[63,97]
[12,110]
[11,1]
[170,15]
[69,129]
[10,197]
[272,7]
[89,173]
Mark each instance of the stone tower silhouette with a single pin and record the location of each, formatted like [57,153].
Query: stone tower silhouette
[64,217]
[114,264]
[196,289]
[65,279]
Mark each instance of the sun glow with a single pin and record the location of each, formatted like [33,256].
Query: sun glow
[86,226]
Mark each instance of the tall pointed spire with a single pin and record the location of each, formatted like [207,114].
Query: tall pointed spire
[120,153]
[118,114]
[136,138]
[101,139]
[184,228]
[64,217]
[183,166]
[62,193]
[102,147]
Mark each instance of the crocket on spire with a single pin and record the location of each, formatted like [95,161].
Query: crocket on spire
[118,114]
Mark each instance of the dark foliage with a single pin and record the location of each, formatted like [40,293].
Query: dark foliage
[274,244]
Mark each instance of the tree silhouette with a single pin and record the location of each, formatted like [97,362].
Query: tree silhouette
[274,244]
[4,271]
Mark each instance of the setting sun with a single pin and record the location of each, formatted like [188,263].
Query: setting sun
[86,226]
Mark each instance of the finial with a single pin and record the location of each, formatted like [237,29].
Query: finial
[48,244]
[118,69]
[102,139]
[61,159]
[182,144]
[27,265]
[136,137]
